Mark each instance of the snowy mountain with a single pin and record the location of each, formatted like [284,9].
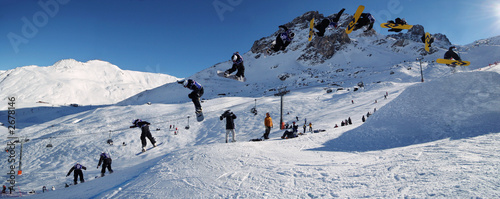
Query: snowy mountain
[438,138]
[335,61]
[72,82]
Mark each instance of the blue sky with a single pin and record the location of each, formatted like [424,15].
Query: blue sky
[182,37]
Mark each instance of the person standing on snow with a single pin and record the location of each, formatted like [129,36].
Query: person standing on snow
[268,123]
[230,116]
[197,92]
[144,133]
[78,172]
[237,65]
[105,159]
[329,23]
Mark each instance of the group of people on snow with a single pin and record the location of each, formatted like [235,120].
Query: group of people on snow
[104,159]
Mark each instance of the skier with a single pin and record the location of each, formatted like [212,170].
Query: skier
[4,188]
[305,127]
[237,65]
[329,23]
[398,21]
[283,39]
[268,123]
[310,127]
[44,189]
[197,92]
[230,116]
[106,160]
[430,41]
[365,19]
[144,133]
[78,172]
[363,118]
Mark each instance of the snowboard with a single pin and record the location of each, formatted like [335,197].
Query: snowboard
[453,62]
[427,40]
[354,20]
[311,29]
[232,76]
[149,149]
[395,26]
[199,116]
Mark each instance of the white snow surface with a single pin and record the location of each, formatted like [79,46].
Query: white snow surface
[436,139]
[72,82]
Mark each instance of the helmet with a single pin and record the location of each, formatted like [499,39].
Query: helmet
[451,48]
[235,57]
[136,121]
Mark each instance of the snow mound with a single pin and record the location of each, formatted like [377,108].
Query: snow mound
[459,106]
[69,81]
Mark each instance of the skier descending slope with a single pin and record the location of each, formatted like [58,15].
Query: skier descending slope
[144,133]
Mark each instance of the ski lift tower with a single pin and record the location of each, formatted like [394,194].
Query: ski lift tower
[421,73]
[281,92]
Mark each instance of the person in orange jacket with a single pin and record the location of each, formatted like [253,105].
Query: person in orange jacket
[268,122]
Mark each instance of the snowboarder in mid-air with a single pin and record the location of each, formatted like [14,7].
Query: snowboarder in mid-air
[78,172]
[144,133]
[450,54]
[329,23]
[398,21]
[283,39]
[237,65]
[106,161]
[430,41]
[197,92]
[365,19]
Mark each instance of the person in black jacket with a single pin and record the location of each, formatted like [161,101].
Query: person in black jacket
[144,133]
[230,116]
[365,19]
[329,23]
[237,65]
[283,39]
[105,159]
[197,92]
[78,172]
[451,54]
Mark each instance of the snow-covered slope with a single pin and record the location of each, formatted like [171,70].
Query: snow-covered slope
[69,81]
[454,160]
